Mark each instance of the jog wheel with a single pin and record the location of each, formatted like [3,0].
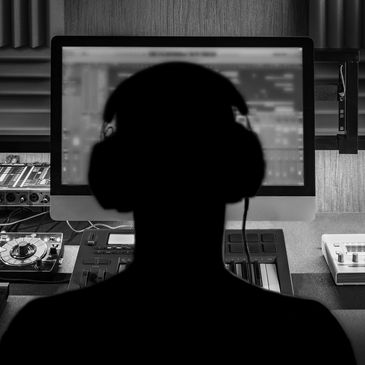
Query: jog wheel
[23,251]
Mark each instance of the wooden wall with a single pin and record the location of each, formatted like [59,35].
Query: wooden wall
[186,17]
[340,180]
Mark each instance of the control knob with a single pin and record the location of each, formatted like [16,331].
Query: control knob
[340,257]
[53,250]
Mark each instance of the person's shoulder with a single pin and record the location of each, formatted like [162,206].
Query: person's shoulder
[320,330]
[58,313]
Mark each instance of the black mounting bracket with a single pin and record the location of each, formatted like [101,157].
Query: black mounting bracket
[347,96]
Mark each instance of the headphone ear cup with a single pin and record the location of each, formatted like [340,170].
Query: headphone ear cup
[107,191]
[246,164]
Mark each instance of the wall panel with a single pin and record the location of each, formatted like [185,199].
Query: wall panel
[340,179]
[340,182]
[186,17]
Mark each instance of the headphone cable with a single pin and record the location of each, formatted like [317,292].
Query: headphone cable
[245,244]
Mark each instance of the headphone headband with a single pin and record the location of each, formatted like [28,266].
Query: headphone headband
[152,96]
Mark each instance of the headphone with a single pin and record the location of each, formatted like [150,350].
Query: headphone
[239,148]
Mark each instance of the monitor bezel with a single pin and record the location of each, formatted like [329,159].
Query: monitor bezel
[58,42]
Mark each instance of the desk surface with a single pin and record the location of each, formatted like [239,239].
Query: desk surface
[310,274]
[303,239]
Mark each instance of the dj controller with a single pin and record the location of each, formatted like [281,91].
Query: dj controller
[104,253]
[30,256]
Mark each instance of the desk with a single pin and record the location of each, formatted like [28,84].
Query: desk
[310,274]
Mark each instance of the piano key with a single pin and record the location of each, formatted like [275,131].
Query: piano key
[272,276]
[265,283]
[245,271]
[121,267]
[257,272]
[238,267]
[252,275]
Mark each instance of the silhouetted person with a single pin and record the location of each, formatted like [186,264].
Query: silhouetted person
[176,159]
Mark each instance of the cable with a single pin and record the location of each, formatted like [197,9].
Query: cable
[77,230]
[343,93]
[14,212]
[245,244]
[22,220]
[40,224]
[97,225]
[110,227]
[93,225]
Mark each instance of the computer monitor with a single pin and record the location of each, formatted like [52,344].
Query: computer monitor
[275,75]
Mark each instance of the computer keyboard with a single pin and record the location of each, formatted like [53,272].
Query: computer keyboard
[269,266]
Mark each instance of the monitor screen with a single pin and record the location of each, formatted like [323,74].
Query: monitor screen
[270,79]
[268,72]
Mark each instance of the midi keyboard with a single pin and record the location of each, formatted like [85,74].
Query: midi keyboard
[268,266]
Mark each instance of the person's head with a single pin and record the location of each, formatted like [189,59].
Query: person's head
[176,139]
